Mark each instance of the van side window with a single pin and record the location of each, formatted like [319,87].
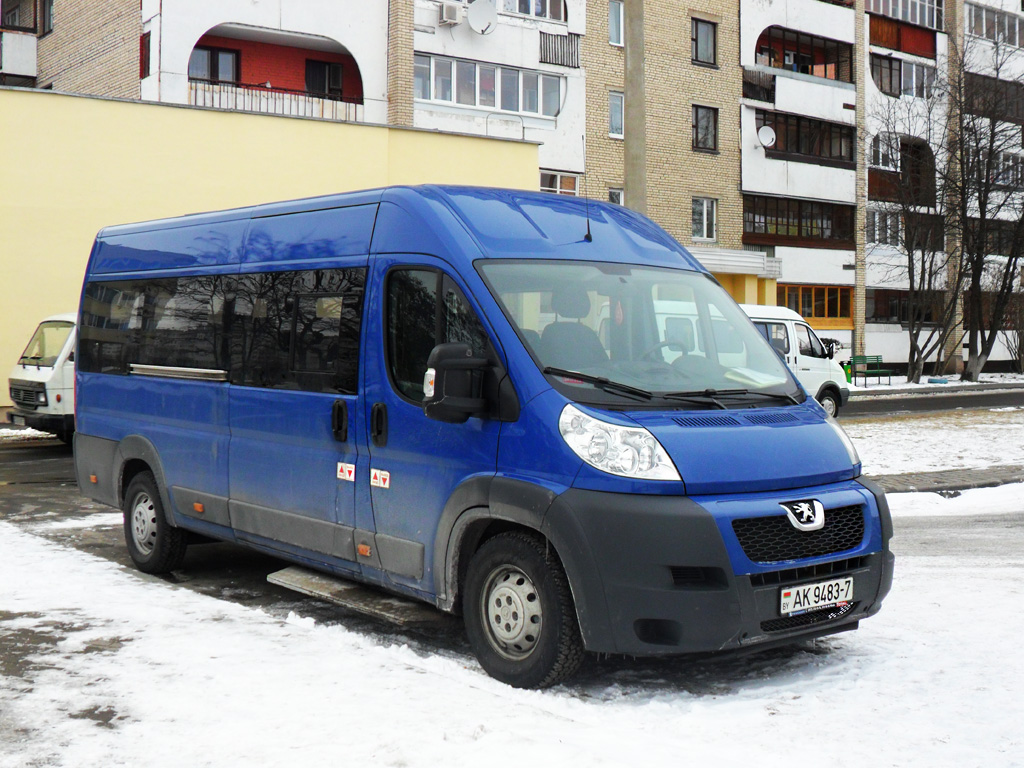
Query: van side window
[808,343]
[173,322]
[776,335]
[425,308]
[290,330]
[298,330]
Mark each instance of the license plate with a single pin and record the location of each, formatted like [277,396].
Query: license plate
[20,420]
[810,597]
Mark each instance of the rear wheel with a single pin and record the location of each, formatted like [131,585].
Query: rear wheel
[519,612]
[153,544]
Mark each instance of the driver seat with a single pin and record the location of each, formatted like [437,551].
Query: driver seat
[571,345]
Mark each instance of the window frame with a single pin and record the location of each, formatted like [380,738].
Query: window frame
[214,53]
[804,299]
[547,95]
[695,24]
[616,97]
[616,10]
[559,177]
[515,8]
[707,204]
[697,109]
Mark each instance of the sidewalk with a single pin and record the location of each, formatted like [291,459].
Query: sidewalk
[883,390]
[946,480]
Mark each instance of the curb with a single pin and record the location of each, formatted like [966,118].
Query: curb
[950,480]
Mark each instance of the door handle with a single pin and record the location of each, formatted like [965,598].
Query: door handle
[339,420]
[379,424]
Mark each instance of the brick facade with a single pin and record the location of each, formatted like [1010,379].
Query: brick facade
[93,48]
[400,62]
[674,172]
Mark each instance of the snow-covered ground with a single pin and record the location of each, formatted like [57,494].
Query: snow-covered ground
[942,382]
[960,439]
[143,672]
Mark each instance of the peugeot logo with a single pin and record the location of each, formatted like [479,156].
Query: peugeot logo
[805,515]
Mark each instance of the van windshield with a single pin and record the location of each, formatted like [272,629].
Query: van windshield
[46,343]
[638,333]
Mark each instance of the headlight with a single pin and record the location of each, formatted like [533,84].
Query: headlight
[851,450]
[624,451]
[41,398]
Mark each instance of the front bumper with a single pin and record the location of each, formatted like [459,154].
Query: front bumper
[56,423]
[844,396]
[662,579]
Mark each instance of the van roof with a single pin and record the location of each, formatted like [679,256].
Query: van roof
[457,222]
[63,317]
[770,312]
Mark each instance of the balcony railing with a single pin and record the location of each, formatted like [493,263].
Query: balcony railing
[758,85]
[273,101]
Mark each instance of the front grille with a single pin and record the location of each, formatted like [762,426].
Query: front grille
[807,619]
[808,572]
[25,396]
[773,539]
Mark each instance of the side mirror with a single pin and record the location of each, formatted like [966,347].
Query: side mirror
[453,384]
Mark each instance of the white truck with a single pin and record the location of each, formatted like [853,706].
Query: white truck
[42,383]
[811,361]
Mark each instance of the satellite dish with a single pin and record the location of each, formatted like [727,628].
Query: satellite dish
[766,135]
[482,16]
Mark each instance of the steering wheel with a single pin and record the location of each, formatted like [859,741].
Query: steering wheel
[648,354]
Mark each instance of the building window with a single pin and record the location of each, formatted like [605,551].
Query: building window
[213,64]
[1009,170]
[704,210]
[926,13]
[883,228]
[778,220]
[559,183]
[544,9]
[702,41]
[997,26]
[918,80]
[13,17]
[616,104]
[323,79]
[615,22]
[470,84]
[887,73]
[824,305]
[144,47]
[885,152]
[47,16]
[705,128]
[616,195]
[804,137]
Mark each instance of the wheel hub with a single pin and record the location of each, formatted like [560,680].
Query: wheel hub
[512,611]
[143,523]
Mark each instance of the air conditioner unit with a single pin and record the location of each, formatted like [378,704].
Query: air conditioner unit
[449,14]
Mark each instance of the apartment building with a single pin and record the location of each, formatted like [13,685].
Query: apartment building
[749,129]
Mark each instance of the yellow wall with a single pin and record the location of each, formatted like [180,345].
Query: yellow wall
[75,164]
[748,289]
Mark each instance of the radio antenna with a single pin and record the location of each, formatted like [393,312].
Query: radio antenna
[587,237]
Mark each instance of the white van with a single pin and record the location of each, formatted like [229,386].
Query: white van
[42,384]
[810,360]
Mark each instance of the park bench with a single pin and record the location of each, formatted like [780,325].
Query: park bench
[869,365]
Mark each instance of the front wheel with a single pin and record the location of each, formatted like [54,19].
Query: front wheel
[153,544]
[829,402]
[519,612]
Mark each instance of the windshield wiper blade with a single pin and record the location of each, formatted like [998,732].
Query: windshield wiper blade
[600,382]
[777,396]
[705,395]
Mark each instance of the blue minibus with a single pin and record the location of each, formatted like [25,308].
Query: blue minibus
[539,412]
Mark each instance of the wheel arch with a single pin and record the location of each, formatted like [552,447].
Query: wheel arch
[136,454]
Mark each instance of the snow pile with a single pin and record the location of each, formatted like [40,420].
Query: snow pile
[23,433]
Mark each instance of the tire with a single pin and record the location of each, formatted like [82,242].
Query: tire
[514,583]
[830,402]
[153,544]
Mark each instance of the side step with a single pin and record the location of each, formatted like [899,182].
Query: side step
[366,600]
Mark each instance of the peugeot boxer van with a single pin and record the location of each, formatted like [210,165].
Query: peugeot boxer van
[42,383]
[467,397]
[813,363]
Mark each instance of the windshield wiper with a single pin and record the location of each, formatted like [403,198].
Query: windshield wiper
[777,396]
[601,383]
[705,395]
[30,357]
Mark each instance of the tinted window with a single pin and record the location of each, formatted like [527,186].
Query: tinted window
[291,330]
[418,320]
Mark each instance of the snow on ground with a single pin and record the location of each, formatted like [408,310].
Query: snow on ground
[23,433]
[960,439]
[185,679]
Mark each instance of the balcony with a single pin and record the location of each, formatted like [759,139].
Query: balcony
[17,54]
[274,101]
